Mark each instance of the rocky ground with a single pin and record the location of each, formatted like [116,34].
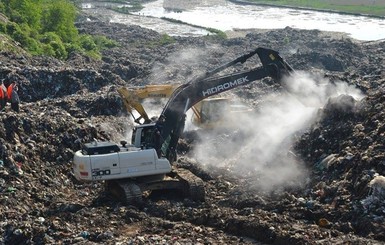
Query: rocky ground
[336,197]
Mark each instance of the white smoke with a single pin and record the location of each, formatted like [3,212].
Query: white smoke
[179,67]
[261,145]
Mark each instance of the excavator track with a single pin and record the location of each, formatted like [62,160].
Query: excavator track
[193,186]
[133,194]
[126,191]
[131,191]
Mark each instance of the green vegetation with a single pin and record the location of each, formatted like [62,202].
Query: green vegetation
[366,7]
[136,5]
[218,33]
[47,27]
[6,43]
[115,1]
[166,39]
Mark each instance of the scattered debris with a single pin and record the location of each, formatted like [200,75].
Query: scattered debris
[67,103]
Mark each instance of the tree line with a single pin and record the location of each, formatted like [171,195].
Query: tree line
[47,27]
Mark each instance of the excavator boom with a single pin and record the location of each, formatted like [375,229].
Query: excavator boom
[187,95]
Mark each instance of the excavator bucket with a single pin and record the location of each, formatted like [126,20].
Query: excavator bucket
[132,98]
[271,60]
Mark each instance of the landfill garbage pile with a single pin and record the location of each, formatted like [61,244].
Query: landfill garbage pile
[339,199]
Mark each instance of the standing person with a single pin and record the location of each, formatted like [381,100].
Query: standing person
[3,96]
[13,97]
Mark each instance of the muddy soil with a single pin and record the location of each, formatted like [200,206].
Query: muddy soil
[340,199]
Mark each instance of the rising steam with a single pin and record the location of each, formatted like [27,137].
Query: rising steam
[261,145]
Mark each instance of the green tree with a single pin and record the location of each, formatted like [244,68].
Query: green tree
[59,17]
[48,27]
[54,44]
[2,7]
[24,11]
[59,49]
[87,43]
[11,27]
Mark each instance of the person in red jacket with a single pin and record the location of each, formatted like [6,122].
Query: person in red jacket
[3,96]
[13,97]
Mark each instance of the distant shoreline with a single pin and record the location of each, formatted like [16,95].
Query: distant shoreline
[246,2]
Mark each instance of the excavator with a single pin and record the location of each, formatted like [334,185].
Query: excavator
[208,113]
[145,165]
[133,97]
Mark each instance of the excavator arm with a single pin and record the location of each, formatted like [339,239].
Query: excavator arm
[132,99]
[172,119]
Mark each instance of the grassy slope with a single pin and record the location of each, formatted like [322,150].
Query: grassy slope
[8,45]
[369,7]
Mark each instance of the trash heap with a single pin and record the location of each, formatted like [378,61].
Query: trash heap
[65,103]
